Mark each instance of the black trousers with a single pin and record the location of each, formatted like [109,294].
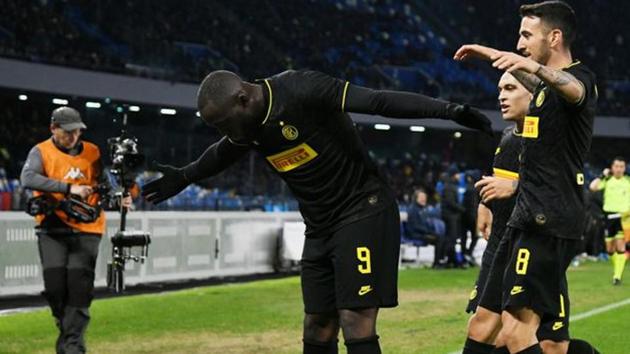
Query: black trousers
[68,262]
[453,233]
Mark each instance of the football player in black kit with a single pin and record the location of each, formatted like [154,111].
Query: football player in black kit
[492,217]
[544,229]
[297,122]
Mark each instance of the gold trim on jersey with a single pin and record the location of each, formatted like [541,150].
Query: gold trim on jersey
[499,172]
[343,97]
[270,102]
[292,158]
[572,64]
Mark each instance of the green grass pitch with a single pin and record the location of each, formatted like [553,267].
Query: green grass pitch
[266,317]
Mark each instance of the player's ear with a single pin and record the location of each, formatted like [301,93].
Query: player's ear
[555,38]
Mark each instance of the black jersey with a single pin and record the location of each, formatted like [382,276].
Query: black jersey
[556,138]
[505,165]
[309,141]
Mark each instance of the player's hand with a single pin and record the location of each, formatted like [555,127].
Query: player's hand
[484,221]
[476,51]
[467,116]
[606,172]
[510,62]
[171,183]
[491,188]
[81,190]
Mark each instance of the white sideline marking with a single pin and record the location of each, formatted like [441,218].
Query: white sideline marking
[8,312]
[599,310]
[587,314]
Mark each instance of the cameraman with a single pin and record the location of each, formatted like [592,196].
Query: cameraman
[62,167]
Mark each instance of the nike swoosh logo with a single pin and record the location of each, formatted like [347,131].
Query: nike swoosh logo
[365,289]
[557,326]
[516,290]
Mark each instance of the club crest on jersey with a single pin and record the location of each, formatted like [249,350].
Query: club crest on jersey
[293,158]
[540,99]
[290,132]
[74,173]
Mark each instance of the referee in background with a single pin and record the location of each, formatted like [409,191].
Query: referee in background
[616,187]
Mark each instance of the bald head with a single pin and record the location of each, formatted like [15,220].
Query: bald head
[218,91]
[233,106]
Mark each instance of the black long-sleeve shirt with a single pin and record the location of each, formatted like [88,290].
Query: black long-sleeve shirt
[309,140]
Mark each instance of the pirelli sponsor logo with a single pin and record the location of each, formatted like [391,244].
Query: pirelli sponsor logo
[293,158]
[498,172]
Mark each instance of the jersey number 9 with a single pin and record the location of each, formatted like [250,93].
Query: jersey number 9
[363,255]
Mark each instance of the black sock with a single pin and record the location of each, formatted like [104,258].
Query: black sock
[534,349]
[501,350]
[473,347]
[317,347]
[578,346]
[363,346]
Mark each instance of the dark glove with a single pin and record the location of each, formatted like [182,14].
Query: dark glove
[172,182]
[469,117]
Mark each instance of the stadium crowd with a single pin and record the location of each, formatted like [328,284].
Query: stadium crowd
[378,44]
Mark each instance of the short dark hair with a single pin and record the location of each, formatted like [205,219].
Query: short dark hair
[618,158]
[217,87]
[557,14]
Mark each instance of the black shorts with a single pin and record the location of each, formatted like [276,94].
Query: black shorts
[354,267]
[529,270]
[613,227]
[484,272]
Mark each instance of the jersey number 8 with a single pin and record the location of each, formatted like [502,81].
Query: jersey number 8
[522,260]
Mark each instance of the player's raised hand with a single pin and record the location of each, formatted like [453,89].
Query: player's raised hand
[475,51]
[508,61]
[172,182]
[469,117]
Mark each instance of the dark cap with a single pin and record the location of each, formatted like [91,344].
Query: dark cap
[67,118]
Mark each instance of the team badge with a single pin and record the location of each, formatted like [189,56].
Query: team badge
[540,99]
[290,132]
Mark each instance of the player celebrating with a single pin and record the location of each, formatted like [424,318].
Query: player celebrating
[617,208]
[297,121]
[492,217]
[543,234]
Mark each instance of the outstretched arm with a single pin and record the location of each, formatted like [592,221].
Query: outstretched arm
[319,91]
[215,159]
[407,105]
[527,71]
